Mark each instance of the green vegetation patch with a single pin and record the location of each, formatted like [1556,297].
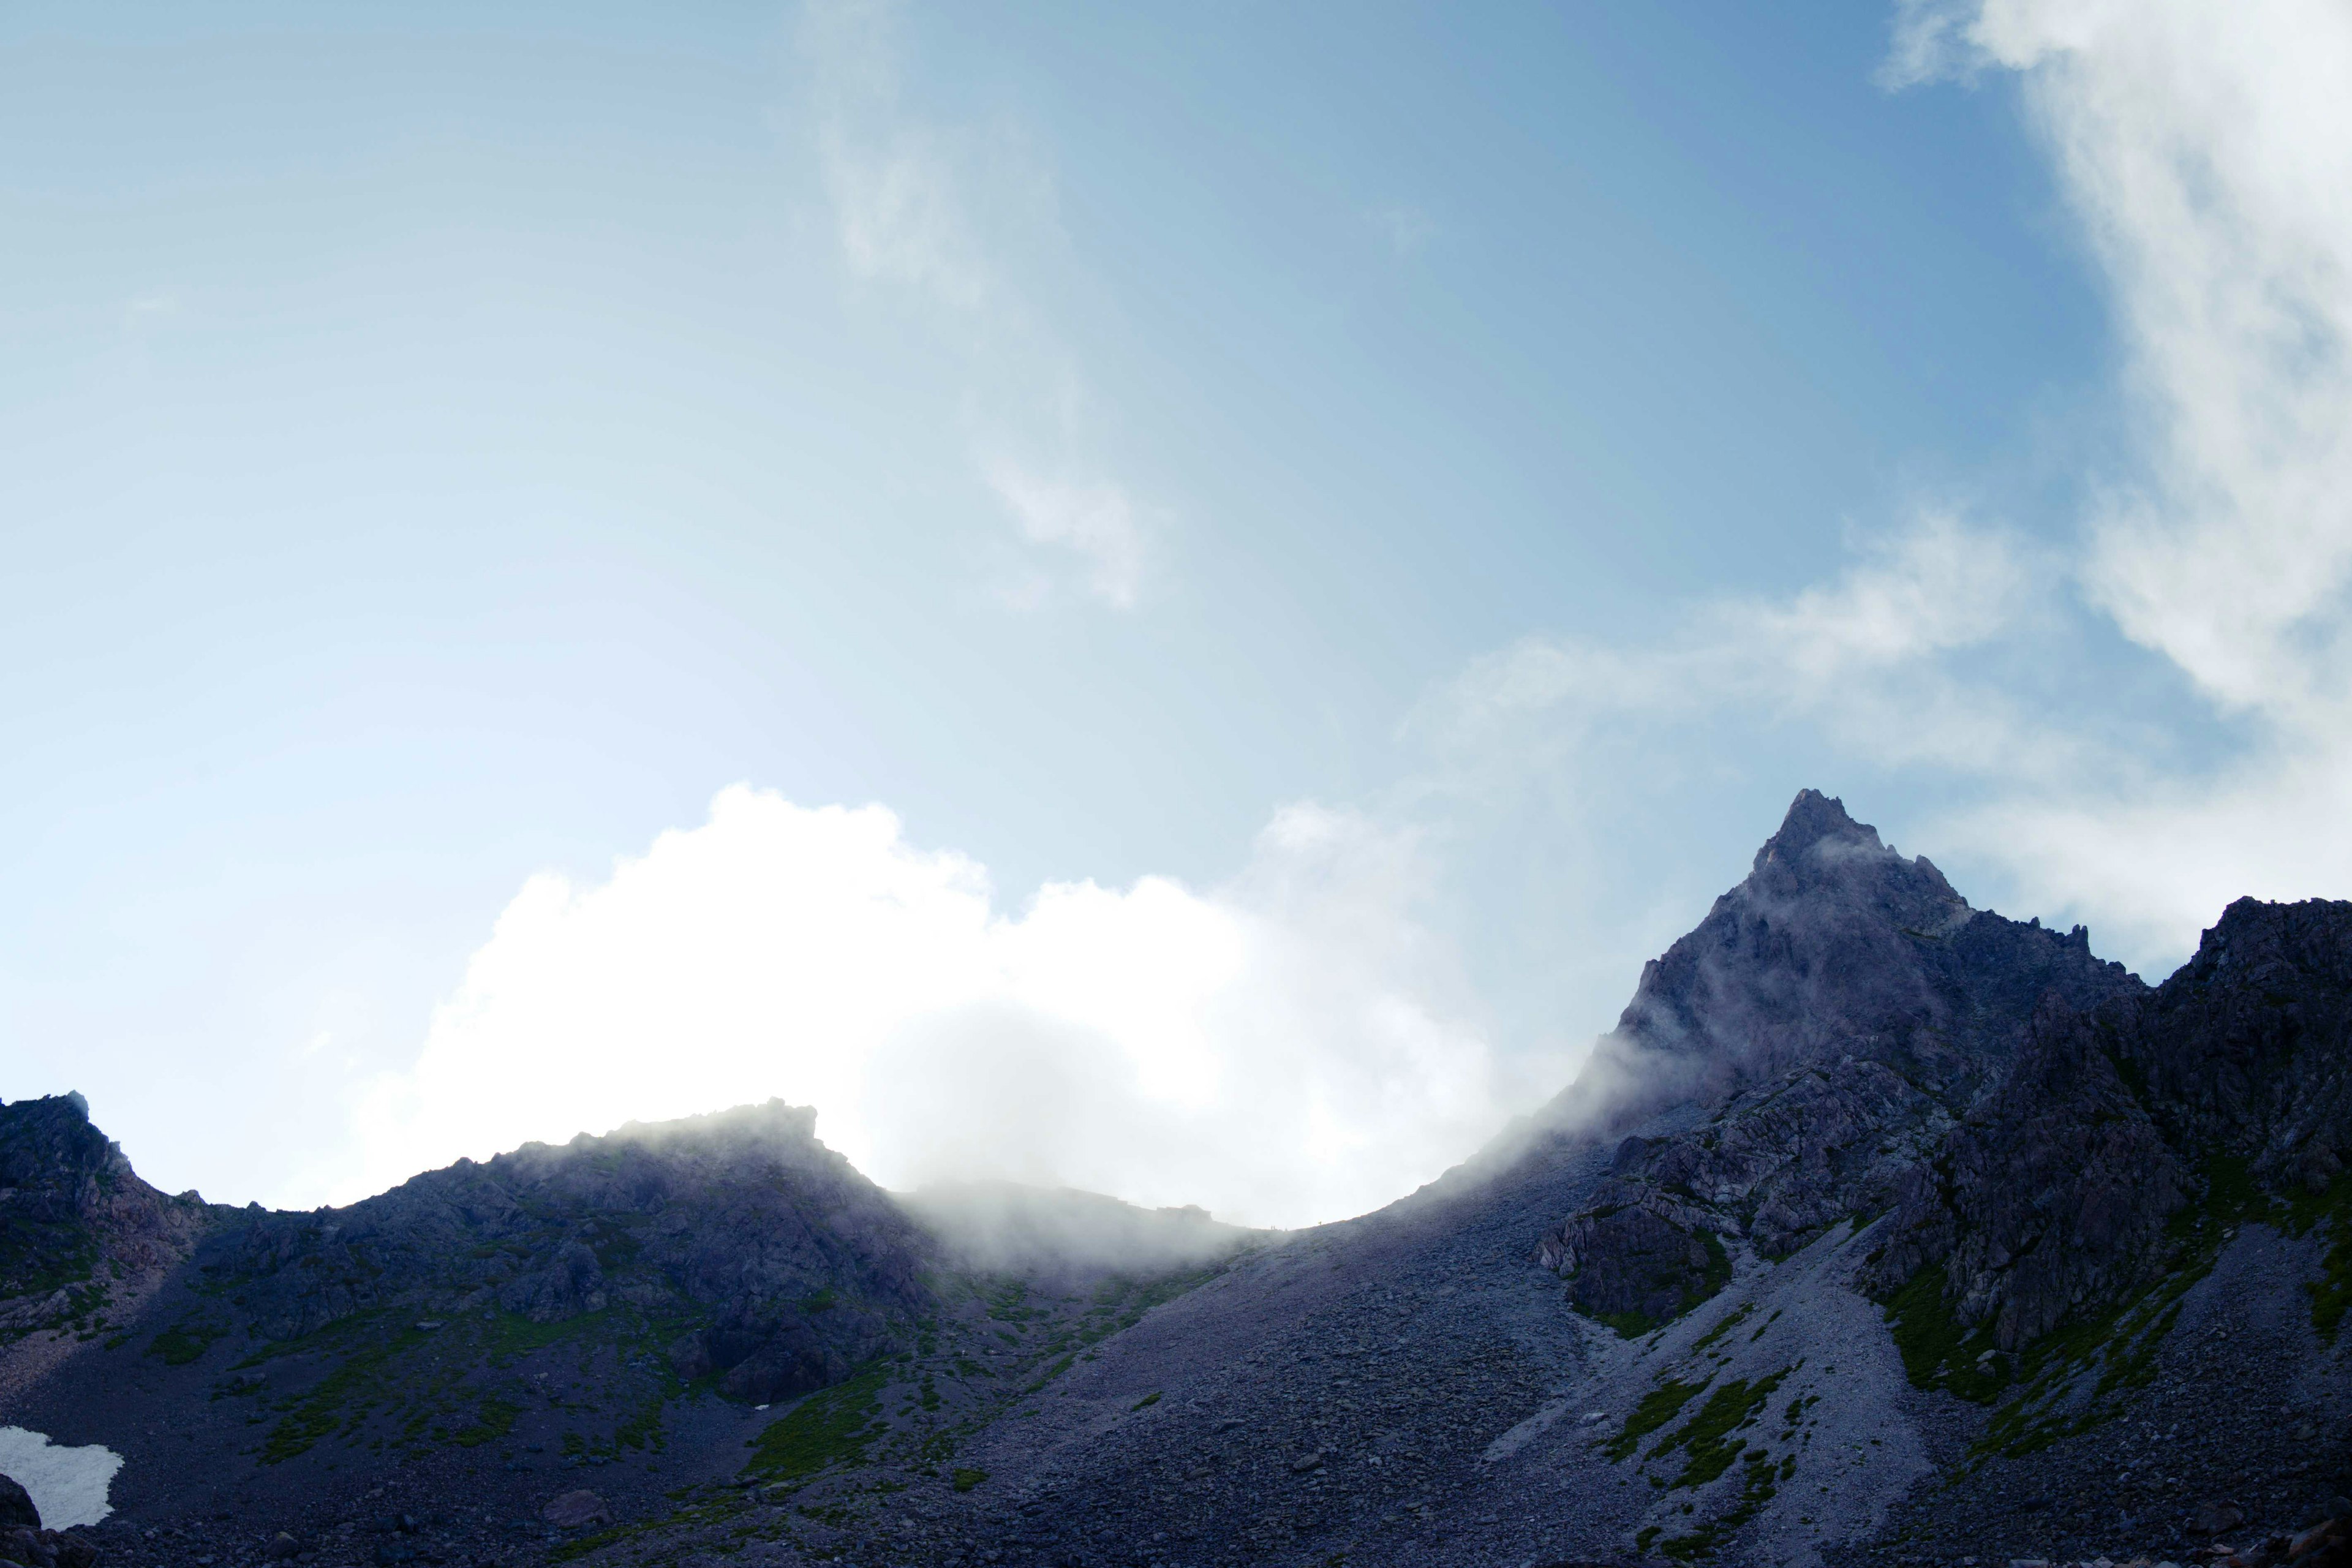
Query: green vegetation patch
[2331,1293]
[1938,1350]
[39,1258]
[1730,1320]
[183,1342]
[449,1385]
[1706,1438]
[493,1419]
[1149,1399]
[967,1479]
[832,1426]
[711,1510]
[1658,1406]
[1759,1482]
[343,1398]
[2123,1342]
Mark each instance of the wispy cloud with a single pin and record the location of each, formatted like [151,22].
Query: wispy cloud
[1861,656]
[1170,1043]
[926,208]
[899,221]
[1094,520]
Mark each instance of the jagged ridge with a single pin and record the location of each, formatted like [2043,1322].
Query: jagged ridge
[1836,1013]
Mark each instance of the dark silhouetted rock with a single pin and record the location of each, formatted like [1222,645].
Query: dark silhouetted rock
[17,1505]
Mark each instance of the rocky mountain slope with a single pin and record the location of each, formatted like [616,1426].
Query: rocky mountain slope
[82,1239]
[629,1306]
[1838,1012]
[1845,1251]
[1880,1229]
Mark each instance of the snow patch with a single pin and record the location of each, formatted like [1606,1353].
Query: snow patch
[68,1485]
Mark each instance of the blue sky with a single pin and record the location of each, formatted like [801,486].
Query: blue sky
[437,452]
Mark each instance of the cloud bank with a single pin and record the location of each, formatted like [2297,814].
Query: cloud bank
[1286,1048]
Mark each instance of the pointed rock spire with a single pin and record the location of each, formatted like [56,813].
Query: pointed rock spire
[1814,817]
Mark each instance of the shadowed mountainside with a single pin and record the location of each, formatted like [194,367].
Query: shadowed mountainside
[628,1305]
[752,1254]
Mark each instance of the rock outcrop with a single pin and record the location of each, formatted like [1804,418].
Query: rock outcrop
[76,1220]
[780,1265]
[1836,1013]
[2227,1088]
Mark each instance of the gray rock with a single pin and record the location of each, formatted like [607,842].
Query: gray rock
[17,1505]
[2217,1517]
[577,1510]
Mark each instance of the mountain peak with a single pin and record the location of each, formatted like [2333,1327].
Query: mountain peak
[1813,817]
[1835,945]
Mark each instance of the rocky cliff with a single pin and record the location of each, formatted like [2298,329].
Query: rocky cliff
[2128,1136]
[77,1225]
[1830,1021]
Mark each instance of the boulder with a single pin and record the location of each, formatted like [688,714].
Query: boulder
[17,1505]
[2218,1517]
[577,1510]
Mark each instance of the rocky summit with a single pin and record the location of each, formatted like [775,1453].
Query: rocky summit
[1882,1230]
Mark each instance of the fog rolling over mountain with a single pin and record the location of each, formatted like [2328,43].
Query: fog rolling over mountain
[1061,1235]
[1880,1229]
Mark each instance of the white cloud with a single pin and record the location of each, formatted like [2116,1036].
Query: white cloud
[1292,1045]
[1286,1048]
[2203,148]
